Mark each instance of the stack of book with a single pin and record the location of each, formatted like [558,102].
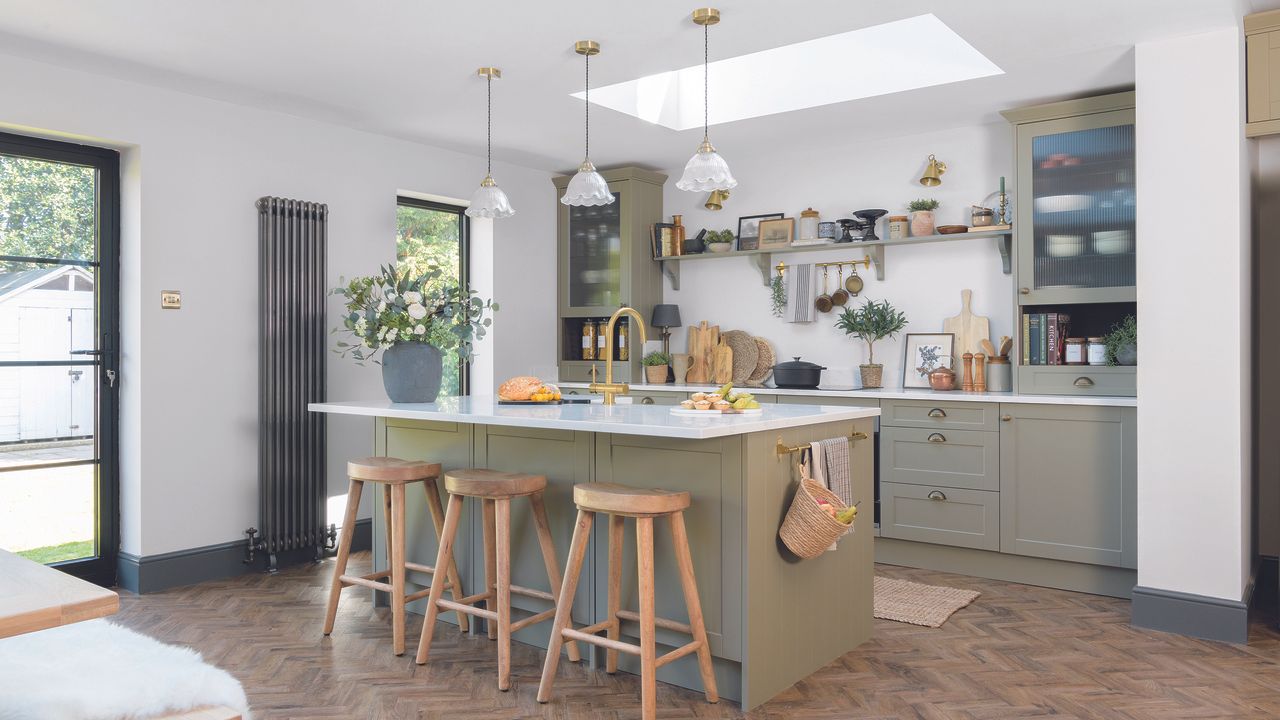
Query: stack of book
[1044,337]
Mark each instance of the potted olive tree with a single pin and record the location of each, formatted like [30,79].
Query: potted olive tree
[870,322]
[412,319]
[922,220]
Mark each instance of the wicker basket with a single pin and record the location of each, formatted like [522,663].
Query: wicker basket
[808,530]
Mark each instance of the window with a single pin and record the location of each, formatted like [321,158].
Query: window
[432,233]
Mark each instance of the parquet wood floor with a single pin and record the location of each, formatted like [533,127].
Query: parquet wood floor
[1016,652]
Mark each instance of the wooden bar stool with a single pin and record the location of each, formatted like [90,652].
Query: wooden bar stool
[620,502]
[392,474]
[495,490]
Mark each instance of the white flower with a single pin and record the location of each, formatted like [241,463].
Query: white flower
[419,329]
[382,307]
[413,298]
[417,311]
[391,296]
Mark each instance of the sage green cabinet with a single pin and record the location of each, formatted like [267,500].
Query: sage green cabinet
[1262,60]
[1068,483]
[935,414]
[643,396]
[940,457]
[940,515]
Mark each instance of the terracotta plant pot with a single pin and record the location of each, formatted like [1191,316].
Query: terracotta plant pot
[656,374]
[922,223]
[871,375]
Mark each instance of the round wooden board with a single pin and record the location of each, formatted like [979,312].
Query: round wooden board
[764,362]
[745,354]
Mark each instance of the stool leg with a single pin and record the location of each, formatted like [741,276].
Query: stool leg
[549,559]
[617,524]
[681,541]
[386,524]
[437,520]
[648,633]
[397,568]
[502,518]
[490,566]
[447,534]
[564,608]
[344,552]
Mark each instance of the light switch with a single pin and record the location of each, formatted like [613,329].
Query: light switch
[171,299]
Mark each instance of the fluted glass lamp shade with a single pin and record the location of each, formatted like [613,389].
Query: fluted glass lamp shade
[665,315]
[587,187]
[489,201]
[706,171]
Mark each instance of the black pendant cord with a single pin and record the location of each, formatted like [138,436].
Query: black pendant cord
[587,132]
[706,73]
[488,125]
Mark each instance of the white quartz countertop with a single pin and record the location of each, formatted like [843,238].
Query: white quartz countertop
[639,389]
[627,419]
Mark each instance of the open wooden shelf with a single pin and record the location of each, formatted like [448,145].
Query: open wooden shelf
[764,261]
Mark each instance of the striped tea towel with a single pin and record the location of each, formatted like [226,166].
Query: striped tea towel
[835,471]
[800,294]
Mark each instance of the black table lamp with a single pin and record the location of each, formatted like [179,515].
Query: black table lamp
[666,317]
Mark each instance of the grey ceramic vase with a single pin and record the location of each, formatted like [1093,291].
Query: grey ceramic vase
[411,372]
[1127,355]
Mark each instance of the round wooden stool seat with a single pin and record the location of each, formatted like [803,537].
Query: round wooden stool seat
[616,499]
[485,483]
[392,471]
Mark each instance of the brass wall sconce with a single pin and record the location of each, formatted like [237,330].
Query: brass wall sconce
[715,201]
[933,172]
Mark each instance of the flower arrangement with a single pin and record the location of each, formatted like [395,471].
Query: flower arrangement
[401,306]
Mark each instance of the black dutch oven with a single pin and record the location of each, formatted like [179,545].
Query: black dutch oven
[797,375]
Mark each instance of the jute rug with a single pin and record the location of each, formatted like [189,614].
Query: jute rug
[917,604]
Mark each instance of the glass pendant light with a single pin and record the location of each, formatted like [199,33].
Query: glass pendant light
[587,187]
[489,201]
[706,170]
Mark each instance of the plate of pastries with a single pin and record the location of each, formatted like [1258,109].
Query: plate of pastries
[528,390]
[724,401]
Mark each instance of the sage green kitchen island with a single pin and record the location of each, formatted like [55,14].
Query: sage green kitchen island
[772,619]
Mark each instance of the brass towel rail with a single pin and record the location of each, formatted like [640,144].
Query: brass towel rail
[784,449]
[865,262]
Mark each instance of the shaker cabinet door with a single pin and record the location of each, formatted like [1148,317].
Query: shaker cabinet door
[1068,483]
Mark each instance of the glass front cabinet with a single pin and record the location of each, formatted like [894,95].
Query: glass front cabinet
[605,262]
[1075,237]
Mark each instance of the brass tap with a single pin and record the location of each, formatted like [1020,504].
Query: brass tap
[609,388]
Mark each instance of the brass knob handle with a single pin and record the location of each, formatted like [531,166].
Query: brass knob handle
[1083,382]
[1006,418]
[572,392]
[937,495]
[646,400]
[937,438]
[937,413]
[1024,291]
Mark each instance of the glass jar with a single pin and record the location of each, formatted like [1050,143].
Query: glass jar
[602,340]
[1076,351]
[982,216]
[589,339]
[1097,352]
[624,352]
[809,225]
[677,235]
[898,227]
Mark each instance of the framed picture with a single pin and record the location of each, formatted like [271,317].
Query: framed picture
[924,353]
[749,230]
[662,235]
[777,233]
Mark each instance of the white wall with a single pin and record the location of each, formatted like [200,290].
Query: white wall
[924,280]
[1194,379]
[192,169]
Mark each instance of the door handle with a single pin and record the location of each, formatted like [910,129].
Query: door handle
[646,400]
[937,413]
[1083,382]
[937,438]
[1024,291]
[937,495]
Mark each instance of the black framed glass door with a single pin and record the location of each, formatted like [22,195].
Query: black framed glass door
[430,233]
[59,382]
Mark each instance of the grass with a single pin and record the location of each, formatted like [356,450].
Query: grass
[58,553]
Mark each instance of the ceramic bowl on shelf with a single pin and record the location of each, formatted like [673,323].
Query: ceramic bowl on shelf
[718,247]
[1063,203]
[1112,242]
[1063,245]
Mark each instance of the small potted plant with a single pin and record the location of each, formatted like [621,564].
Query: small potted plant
[1122,342]
[871,322]
[656,366]
[922,220]
[719,241]
[412,318]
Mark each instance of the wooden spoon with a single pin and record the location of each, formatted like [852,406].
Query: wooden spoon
[1006,344]
[988,348]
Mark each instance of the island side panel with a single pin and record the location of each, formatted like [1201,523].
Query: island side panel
[711,470]
[449,444]
[802,614]
[564,457]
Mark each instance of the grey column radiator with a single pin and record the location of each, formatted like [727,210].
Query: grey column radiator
[292,237]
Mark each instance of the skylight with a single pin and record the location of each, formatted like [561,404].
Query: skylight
[902,55]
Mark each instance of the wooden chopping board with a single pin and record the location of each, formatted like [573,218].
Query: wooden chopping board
[970,330]
[703,339]
[722,364]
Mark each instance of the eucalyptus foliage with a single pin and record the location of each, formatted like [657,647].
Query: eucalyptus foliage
[1123,334]
[400,305]
[872,321]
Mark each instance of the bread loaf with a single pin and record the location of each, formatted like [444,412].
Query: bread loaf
[519,388]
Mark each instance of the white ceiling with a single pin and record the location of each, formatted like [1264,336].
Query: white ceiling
[405,68]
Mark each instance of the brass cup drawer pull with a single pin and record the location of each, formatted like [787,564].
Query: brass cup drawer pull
[937,496]
[937,438]
[1006,418]
[937,413]
[647,400]
[1083,382]
[1024,291]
